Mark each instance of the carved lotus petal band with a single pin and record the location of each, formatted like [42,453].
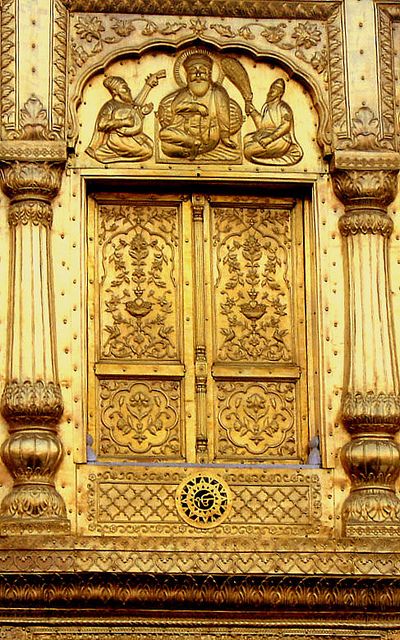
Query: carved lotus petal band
[371,412]
[32,402]
[374,222]
[22,180]
[37,212]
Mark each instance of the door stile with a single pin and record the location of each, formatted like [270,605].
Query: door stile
[198,208]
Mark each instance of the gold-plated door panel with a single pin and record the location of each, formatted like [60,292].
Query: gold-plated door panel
[197,328]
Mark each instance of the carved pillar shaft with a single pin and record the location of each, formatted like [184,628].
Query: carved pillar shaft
[371,401]
[31,401]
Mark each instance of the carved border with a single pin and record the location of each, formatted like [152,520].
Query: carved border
[386,15]
[77,555]
[59,64]
[172,627]
[219,8]
[8,66]
[337,85]
[128,593]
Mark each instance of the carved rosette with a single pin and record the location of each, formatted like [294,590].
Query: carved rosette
[31,401]
[366,182]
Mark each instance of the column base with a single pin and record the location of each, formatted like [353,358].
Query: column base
[25,526]
[33,508]
[371,513]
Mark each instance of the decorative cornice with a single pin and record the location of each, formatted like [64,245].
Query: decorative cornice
[231,8]
[187,592]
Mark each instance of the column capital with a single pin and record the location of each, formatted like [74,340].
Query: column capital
[365,179]
[31,186]
[26,179]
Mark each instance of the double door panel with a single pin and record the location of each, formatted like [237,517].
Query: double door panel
[197,349]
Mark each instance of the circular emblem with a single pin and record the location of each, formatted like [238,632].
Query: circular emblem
[203,501]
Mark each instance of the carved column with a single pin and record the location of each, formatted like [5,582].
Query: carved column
[31,402]
[366,182]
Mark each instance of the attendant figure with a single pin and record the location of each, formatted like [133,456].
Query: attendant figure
[118,134]
[200,116]
[274,141]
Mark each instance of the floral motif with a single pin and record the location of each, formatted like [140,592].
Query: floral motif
[306,35]
[256,419]
[319,61]
[198,26]
[139,418]
[274,34]
[365,130]
[138,290]
[122,28]
[298,37]
[98,33]
[89,28]
[252,290]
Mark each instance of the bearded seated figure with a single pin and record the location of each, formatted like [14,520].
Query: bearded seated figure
[199,118]
[118,132]
[274,141]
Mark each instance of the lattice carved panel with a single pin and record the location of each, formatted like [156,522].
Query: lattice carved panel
[146,502]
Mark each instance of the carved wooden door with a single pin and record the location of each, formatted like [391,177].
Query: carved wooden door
[197,334]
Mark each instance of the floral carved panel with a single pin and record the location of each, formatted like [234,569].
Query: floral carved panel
[256,419]
[252,280]
[138,292]
[139,418]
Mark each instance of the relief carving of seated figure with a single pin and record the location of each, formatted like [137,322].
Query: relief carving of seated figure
[118,133]
[274,141]
[200,116]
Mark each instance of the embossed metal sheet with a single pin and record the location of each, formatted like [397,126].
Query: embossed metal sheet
[242,503]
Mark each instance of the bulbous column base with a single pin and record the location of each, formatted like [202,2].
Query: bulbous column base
[372,509]
[32,454]
[33,508]
[371,513]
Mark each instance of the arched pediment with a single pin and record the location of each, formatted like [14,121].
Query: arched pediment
[309,52]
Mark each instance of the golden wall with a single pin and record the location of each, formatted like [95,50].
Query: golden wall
[198,335]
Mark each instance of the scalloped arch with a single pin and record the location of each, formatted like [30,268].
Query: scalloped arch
[294,70]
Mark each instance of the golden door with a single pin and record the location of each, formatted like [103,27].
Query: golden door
[197,328]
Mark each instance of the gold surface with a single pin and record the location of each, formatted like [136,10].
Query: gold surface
[244,369]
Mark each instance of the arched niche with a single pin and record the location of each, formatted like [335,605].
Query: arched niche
[302,100]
